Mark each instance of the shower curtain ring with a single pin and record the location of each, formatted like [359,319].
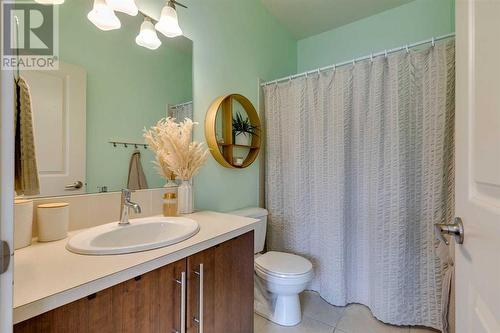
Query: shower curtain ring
[407,49]
[385,53]
[433,41]
[371,57]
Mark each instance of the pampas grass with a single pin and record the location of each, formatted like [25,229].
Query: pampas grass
[174,150]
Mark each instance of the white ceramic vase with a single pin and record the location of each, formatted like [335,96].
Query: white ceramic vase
[185,197]
[243,139]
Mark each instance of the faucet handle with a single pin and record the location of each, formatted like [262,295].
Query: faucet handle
[126,193]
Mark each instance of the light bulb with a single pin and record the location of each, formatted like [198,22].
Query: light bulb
[125,6]
[147,37]
[50,2]
[168,23]
[103,16]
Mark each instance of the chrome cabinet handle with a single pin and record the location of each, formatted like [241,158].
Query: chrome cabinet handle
[455,229]
[75,186]
[199,320]
[182,282]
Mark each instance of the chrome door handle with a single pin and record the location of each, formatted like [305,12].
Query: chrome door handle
[455,229]
[199,320]
[75,186]
[182,282]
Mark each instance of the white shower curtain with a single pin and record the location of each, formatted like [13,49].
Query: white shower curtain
[359,167]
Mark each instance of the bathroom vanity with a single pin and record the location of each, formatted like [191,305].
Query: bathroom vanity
[203,282]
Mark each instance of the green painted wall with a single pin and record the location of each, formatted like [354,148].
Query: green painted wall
[128,88]
[236,42]
[415,21]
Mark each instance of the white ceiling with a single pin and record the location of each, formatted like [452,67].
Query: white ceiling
[305,18]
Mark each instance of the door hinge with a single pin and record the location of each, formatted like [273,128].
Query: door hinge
[4,256]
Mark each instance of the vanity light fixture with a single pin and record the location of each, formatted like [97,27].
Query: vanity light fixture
[50,2]
[169,23]
[125,6]
[147,37]
[103,16]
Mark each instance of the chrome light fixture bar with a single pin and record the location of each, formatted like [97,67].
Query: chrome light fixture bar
[103,17]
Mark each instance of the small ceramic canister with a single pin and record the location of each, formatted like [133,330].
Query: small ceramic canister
[23,223]
[53,220]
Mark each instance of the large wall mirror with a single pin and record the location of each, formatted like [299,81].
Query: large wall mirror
[89,115]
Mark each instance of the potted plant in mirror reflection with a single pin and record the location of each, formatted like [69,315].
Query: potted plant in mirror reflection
[176,152]
[243,130]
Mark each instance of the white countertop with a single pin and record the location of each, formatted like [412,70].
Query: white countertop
[46,275]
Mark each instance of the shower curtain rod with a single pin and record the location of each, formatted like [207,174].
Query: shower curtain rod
[353,61]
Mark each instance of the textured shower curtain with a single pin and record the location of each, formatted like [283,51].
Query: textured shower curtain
[359,167]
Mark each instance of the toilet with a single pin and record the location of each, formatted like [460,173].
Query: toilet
[279,277]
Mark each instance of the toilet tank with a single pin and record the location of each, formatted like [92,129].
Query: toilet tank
[260,229]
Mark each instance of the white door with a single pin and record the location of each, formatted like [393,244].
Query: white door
[6,195]
[478,165]
[58,101]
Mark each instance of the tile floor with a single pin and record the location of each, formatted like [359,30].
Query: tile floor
[321,317]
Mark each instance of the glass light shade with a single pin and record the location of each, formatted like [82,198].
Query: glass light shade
[147,37]
[125,6]
[103,16]
[50,2]
[168,23]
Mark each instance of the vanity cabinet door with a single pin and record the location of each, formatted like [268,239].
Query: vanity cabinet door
[89,314]
[227,287]
[150,303]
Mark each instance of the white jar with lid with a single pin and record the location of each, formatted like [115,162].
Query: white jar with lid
[23,223]
[53,221]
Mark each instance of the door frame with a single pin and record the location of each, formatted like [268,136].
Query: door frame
[7,193]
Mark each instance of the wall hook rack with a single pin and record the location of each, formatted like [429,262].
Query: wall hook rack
[125,144]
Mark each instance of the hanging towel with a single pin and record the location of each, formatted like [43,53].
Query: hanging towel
[136,178]
[26,173]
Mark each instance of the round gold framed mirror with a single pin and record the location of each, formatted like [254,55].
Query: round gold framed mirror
[232,131]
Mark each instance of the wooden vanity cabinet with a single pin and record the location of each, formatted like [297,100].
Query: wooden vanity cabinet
[152,302]
[227,294]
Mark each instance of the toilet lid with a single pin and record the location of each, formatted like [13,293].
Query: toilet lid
[283,263]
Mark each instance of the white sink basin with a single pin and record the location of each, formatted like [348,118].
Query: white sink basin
[140,235]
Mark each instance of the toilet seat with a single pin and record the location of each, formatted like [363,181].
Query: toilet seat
[283,265]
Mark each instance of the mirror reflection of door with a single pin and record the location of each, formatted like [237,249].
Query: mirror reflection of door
[58,102]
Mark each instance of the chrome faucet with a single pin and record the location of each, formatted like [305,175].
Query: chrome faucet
[126,204]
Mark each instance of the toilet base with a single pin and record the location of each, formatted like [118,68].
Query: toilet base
[283,310]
